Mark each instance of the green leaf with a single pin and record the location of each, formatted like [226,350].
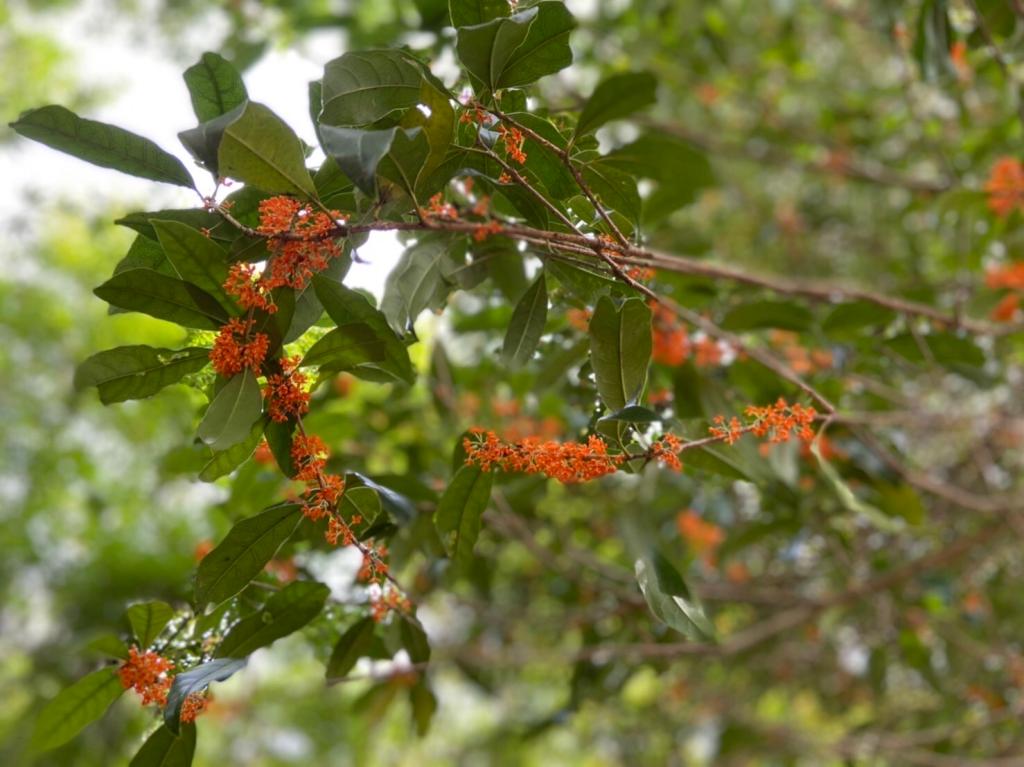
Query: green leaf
[137,372]
[165,749]
[196,259]
[101,144]
[414,639]
[620,350]
[424,704]
[163,297]
[214,86]
[358,152]
[681,169]
[148,619]
[633,414]
[460,510]
[616,97]
[196,680]
[243,553]
[279,440]
[768,314]
[74,708]
[360,88]
[709,459]
[259,149]
[346,347]
[527,324]
[437,128]
[225,461]
[354,644]
[467,13]
[344,306]
[670,599]
[284,613]
[363,502]
[518,50]
[855,315]
[109,645]
[203,141]
[417,282]
[232,412]
[614,189]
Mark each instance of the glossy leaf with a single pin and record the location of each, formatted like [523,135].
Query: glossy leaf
[360,88]
[165,749]
[358,152]
[354,644]
[616,97]
[460,511]
[232,412]
[620,350]
[784,315]
[196,680]
[466,13]
[243,553]
[196,259]
[284,613]
[258,148]
[225,461]
[100,144]
[148,619]
[137,372]
[214,86]
[670,599]
[346,347]
[527,324]
[163,297]
[74,708]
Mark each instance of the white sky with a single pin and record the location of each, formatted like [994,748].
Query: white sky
[149,97]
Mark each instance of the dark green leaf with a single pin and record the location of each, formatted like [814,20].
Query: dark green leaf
[466,13]
[358,152]
[670,599]
[616,97]
[345,347]
[243,553]
[620,350]
[214,86]
[203,141]
[101,144]
[768,314]
[285,612]
[527,324]
[232,412]
[360,88]
[259,149]
[196,680]
[424,704]
[279,439]
[148,619]
[136,372]
[354,644]
[459,513]
[225,461]
[165,749]
[633,414]
[416,283]
[163,297]
[414,639]
[74,708]
[196,259]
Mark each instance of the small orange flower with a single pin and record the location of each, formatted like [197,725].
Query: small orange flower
[1010,276]
[703,537]
[568,462]
[194,704]
[1006,310]
[147,674]
[237,348]
[285,392]
[1005,186]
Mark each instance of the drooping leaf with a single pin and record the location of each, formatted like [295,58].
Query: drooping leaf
[345,305]
[279,440]
[620,350]
[670,599]
[616,191]
[414,639]
[424,704]
[681,169]
[225,461]
[358,152]
[232,412]
[136,372]
[243,553]
[258,148]
[633,414]
[467,13]
[214,86]
[197,260]
[196,680]
[417,282]
[459,513]
[148,619]
[163,297]
[527,324]
[165,749]
[360,88]
[100,144]
[436,121]
[203,141]
[616,97]
[74,708]
[285,612]
[346,347]
[354,644]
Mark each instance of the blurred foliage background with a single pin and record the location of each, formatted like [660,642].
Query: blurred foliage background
[846,140]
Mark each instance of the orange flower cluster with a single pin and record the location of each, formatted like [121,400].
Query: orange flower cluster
[568,462]
[666,452]
[323,490]
[640,273]
[264,455]
[194,704]
[237,348]
[1005,186]
[374,569]
[147,674]
[703,537]
[579,319]
[513,138]
[286,393]
[301,243]
[1009,277]
[483,231]
[386,600]
[474,115]
[440,209]
[670,341]
[775,422]
[801,359]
